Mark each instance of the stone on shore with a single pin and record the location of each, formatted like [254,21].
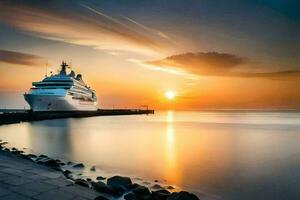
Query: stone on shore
[118,184]
[43,156]
[100,187]
[78,166]
[141,192]
[67,174]
[100,178]
[101,198]
[45,160]
[156,187]
[183,195]
[119,181]
[160,194]
[31,156]
[170,187]
[82,182]
[70,163]
[133,186]
[3,143]
[18,152]
[131,196]
[51,163]
[93,168]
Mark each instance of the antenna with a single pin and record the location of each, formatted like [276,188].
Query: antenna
[46,68]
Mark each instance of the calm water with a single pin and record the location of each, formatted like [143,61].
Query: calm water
[225,155]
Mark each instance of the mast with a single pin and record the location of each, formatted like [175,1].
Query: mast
[64,66]
[46,69]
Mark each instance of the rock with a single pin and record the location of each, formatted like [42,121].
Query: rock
[89,179]
[31,156]
[133,186]
[183,195]
[100,187]
[170,187]
[93,168]
[25,156]
[51,163]
[156,187]
[100,178]
[131,196]
[67,174]
[62,163]
[78,166]
[119,182]
[3,143]
[70,163]
[156,181]
[82,182]
[43,156]
[17,152]
[141,192]
[48,162]
[138,179]
[160,194]
[101,198]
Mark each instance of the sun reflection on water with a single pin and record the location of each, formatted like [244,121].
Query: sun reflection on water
[172,173]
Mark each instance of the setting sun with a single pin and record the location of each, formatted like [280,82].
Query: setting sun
[169,95]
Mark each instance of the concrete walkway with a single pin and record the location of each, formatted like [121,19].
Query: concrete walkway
[21,179]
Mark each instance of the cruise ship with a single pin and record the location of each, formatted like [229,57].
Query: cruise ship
[62,92]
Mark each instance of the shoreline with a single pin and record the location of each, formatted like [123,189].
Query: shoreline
[116,187]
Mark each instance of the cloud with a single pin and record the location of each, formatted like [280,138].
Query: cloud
[154,31]
[12,57]
[215,64]
[81,25]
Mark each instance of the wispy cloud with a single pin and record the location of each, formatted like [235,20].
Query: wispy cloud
[82,26]
[170,70]
[18,58]
[215,64]
[154,31]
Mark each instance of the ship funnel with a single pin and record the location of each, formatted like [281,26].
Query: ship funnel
[72,74]
[79,77]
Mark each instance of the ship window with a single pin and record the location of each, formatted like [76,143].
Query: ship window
[52,84]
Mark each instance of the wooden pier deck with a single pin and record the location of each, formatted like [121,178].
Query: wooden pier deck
[14,116]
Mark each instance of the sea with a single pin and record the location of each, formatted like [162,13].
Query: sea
[226,155]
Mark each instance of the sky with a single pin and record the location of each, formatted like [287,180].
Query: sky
[211,54]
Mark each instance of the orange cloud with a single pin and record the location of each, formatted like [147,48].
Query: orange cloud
[215,64]
[89,27]
[12,57]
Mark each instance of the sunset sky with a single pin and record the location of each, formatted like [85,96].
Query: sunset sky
[212,54]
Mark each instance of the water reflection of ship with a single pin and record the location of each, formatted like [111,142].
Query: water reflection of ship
[51,137]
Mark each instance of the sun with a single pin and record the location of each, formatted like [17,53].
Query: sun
[169,95]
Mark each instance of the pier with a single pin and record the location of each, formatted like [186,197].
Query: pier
[17,116]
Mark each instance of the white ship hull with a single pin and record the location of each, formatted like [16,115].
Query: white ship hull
[58,103]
